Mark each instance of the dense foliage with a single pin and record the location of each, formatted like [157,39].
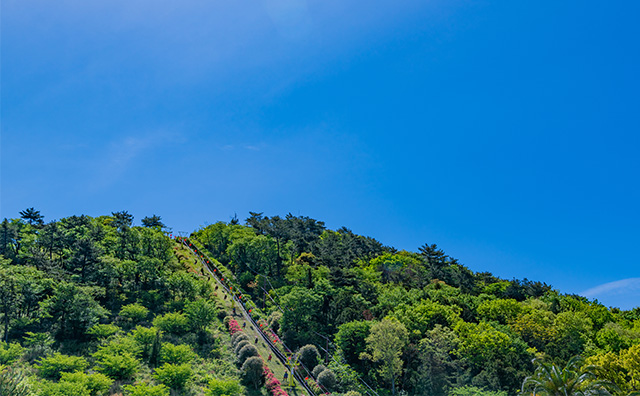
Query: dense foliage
[416,322]
[98,306]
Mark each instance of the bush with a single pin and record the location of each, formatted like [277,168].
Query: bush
[274,320]
[241,344]
[200,314]
[317,370]
[143,389]
[175,376]
[97,384]
[308,355]
[53,366]
[133,314]
[221,387]
[9,353]
[176,354]
[252,372]
[246,352]
[13,383]
[172,322]
[119,367]
[237,337]
[327,379]
[103,331]
[63,389]
[234,326]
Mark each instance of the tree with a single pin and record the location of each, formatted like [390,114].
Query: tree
[438,366]
[351,340]
[143,389]
[32,216]
[74,309]
[574,379]
[222,387]
[308,355]
[175,376]
[253,371]
[200,314]
[385,344]
[53,366]
[122,219]
[153,222]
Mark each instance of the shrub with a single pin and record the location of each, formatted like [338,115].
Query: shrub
[241,344]
[327,379]
[63,389]
[9,353]
[103,331]
[53,366]
[317,370]
[252,372]
[175,376]
[143,389]
[176,354]
[237,337]
[172,322]
[97,384]
[308,355]
[272,384]
[234,326]
[200,314]
[13,383]
[144,337]
[221,387]
[274,320]
[246,352]
[133,314]
[119,367]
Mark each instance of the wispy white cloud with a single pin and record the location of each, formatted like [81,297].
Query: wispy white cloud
[620,287]
[120,155]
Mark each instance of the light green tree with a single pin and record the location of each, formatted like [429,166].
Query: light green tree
[385,344]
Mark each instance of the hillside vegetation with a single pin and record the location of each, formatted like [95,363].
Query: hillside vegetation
[98,306]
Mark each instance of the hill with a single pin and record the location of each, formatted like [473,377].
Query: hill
[98,306]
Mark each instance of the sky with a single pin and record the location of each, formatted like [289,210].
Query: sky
[507,133]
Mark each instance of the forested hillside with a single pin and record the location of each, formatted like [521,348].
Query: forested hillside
[98,306]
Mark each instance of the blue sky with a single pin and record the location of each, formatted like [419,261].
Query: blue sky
[505,132]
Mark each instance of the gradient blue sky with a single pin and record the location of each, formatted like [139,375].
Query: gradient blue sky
[507,132]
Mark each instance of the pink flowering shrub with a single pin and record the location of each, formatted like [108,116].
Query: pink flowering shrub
[272,383]
[234,326]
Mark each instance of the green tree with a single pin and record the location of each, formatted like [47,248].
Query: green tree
[351,340]
[153,221]
[176,354]
[253,371]
[144,389]
[73,309]
[385,344]
[132,314]
[175,376]
[53,366]
[200,314]
[10,352]
[97,384]
[224,387]
[574,379]
[32,216]
[172,322]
